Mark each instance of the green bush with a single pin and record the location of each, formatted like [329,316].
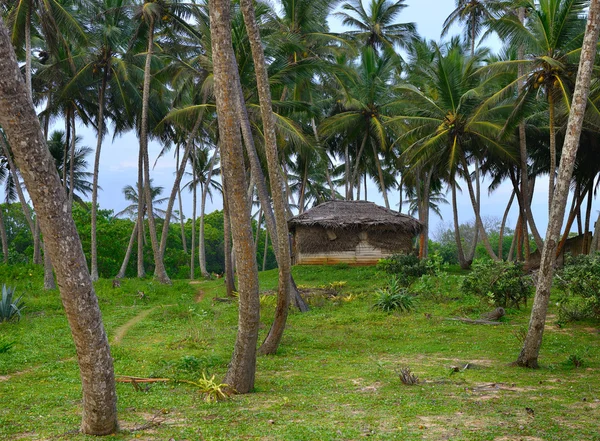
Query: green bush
[501,283]
[10,309]
[394,297]
[405,267]
[580,279]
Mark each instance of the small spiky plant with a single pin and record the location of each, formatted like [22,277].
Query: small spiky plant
[407,377]
[10,309]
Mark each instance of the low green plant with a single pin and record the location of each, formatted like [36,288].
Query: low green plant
[501,283]
[394,297]
[575,360]
[10,308]
[5,345]
[212,390]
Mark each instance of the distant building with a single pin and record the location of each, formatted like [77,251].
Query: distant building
[352,232]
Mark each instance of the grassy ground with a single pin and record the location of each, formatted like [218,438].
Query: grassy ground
[335,377]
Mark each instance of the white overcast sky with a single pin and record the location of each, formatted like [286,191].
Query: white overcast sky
[119,156]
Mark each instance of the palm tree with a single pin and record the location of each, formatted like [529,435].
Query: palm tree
[552,38]
[376,26]
[532,343]
[445,121]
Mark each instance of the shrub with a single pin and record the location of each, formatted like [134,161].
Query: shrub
[394,297]
[10,309]
[211,389]
[580,279]
[405,267]
[502,283]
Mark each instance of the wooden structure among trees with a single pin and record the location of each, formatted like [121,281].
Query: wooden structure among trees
[353,232]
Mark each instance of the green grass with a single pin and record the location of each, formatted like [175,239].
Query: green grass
[334,378]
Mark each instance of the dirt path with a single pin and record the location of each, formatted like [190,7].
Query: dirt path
[122,330]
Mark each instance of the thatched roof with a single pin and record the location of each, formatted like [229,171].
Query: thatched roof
[355,214]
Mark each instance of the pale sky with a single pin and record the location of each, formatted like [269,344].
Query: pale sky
[119,157]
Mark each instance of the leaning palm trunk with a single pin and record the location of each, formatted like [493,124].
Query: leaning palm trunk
[4,238]
[123,268]
[273,339]
[21,124]
[464,264]
[552,173]
[479,222]
[72,161]
[381,181]
[533,341]
[503,224]
[94,243]
[201,244]
[241,373]
[176,185]
[159,266]
[181,223]
[194,203]
[141,271]
[229,272]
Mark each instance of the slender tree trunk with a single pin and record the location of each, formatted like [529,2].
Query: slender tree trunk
[347,185]
[159,266]
[48,274]
[241,372]
[229,273]
[28,50]
[3,236]
[194,203]
[258,222]
[18,119]
[67,145]
[588,208]
[181,223]
[484,236]
[37,247]
[381,181]
[201,244]
[357,161]
[72,159]
[176,185]
[94,244]
[459,249]
[552,170]
[264,262]
[400,192]
[578,199]
[273,339]
[121,273]
[503,224]
[533,341]
[141,271]
[424,216]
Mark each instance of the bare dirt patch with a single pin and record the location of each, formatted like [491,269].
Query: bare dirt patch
[449,427]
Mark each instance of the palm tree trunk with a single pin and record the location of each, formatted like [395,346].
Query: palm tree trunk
[177,184]
[123,268]
[201,244]
[503,224]
[242,369]
[21,124]
[67,145]
[258,222]
[577,200]
[141,271]
[381,182]
[194,204]
[159,266]
[588,208]
[347,185]
[303,188]
[552,170]
[273,339]
[400,192]
[459,249]
[181,223]
[28,50]
[72,160]
[533,341]
[94,244]
[484,236]
[264,262]
[4,238]
[357,161]
[471,255]
[49,282]
[37,253]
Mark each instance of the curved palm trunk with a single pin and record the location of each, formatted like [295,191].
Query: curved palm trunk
[473,249]
[123,268]
[273,339]
[484,236]
[461,255]
[381,182]
[4,238]
[159,266]
[181,223]
[94,243]
[176,185]
[242,369]
[21,124]
[503,224]
[533,341]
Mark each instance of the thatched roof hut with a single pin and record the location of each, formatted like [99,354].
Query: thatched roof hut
[354,232]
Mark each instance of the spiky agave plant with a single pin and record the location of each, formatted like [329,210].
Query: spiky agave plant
[10,308]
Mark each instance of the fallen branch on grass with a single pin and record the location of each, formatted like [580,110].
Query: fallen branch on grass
[129,379]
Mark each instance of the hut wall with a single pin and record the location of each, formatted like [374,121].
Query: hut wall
[320,246]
